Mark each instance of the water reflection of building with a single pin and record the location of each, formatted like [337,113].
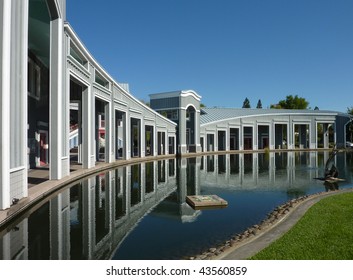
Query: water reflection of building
[249,171]
[91,219]
[175,206]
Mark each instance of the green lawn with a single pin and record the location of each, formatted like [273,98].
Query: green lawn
[325,232]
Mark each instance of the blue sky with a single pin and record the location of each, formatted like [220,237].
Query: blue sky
[225,50]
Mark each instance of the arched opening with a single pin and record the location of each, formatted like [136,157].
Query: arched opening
[190,129]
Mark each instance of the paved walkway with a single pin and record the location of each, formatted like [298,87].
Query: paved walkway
[252,246]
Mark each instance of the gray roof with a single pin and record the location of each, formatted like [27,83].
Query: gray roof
[209,115]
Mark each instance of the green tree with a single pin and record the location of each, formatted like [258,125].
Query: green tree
[246,103]
[350,110]
[292,102]
[147,103]
[275,106]
[202,105]
[259,104]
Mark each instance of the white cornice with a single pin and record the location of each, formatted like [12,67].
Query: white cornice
[192,93]
[178,93]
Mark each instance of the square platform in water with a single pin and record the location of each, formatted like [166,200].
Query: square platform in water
[206,201]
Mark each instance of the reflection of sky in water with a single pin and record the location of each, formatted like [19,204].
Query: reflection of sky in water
[252,188]
[139,212]
[159,236]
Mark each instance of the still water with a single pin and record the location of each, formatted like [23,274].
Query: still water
[139,211]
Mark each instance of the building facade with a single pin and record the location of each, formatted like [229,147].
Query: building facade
[59,106]
[224,129]
[183,107]
[55,97]
[232,129]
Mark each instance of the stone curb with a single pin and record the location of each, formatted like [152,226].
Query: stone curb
[230,248]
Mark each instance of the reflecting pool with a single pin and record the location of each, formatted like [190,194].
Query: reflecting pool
[139,211]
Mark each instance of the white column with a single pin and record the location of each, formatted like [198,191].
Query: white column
[56,115]
[92,137]
[166,143]
[215,142]
[127,135]
[5,50]
[142,138]
[87,127]
[241,136]
[66,110]
[108,132]
[182,132]
[113,149]
[18,98]
[197,129]
[154,136]
[24,7]
[291,136]
[272,136]
[255,136]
